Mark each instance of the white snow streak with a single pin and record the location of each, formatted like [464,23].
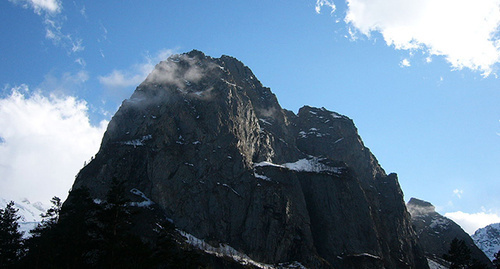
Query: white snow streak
[303,165]
[224,250]
[147,202]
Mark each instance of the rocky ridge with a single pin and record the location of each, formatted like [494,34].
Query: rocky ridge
[435,233]
[211,147]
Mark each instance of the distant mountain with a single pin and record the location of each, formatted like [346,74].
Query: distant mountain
[488,239]
[28,211]
[435,233]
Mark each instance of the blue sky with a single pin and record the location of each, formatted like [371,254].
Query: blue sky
[419,79]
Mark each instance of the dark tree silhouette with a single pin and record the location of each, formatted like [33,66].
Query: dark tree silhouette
[65,236]
[88,233]
[49,219]
[496,261]
[119,247]
[459,254]
[11,239]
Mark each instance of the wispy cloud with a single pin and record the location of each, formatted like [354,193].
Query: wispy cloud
[83,11]
[41,6]
[51,13]
[135,74]
[124,78]
[45,141]
[104,35]
[464,32]
[327,3]
[458,193]
[66,83]
[470,222]
[81,62]
[77,46]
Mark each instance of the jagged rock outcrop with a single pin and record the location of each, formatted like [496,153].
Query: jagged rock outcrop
[436,232]
[213,149]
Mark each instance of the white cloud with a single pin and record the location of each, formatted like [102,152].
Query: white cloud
[54,32]
[77,45]
[104,35]
[83,11]
[463,31]
[471,222]
[321,3]
[50,11]
[81,62]
[39,6]
[405,63]
[134,75]
[67,83]
[458,193]
[44,142]
[123,79]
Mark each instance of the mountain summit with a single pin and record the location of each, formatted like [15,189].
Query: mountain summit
[210,147]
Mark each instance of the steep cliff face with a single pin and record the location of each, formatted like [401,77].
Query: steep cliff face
[214,150]
[436,232]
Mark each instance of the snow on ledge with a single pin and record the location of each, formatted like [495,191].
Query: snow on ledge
[304,165]
[147,202]
[368,255]
[435,265]
[224,250]
[261,176]
[137,142]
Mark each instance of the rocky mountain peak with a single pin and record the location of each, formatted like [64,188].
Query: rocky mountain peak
[418,207]
[211,147]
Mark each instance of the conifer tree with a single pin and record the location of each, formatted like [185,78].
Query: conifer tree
[459,254]
[41,245]
[76,230]
[10,237]
[52,215]
[496,261]
[49,219]
[475,264]
[64,238]
[120,247]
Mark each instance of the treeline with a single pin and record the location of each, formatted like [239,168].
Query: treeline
[88,234]
[99,234]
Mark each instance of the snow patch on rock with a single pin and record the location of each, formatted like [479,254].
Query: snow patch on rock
[224,250]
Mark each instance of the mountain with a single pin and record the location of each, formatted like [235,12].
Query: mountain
[28,211]
[205,145]
[488,239]
[435,232]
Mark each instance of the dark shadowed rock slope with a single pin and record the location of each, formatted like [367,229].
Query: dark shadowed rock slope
[213,149]
[436,232]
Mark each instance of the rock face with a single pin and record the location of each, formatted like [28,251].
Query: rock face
[205,141]
[488,239]
[436,232]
